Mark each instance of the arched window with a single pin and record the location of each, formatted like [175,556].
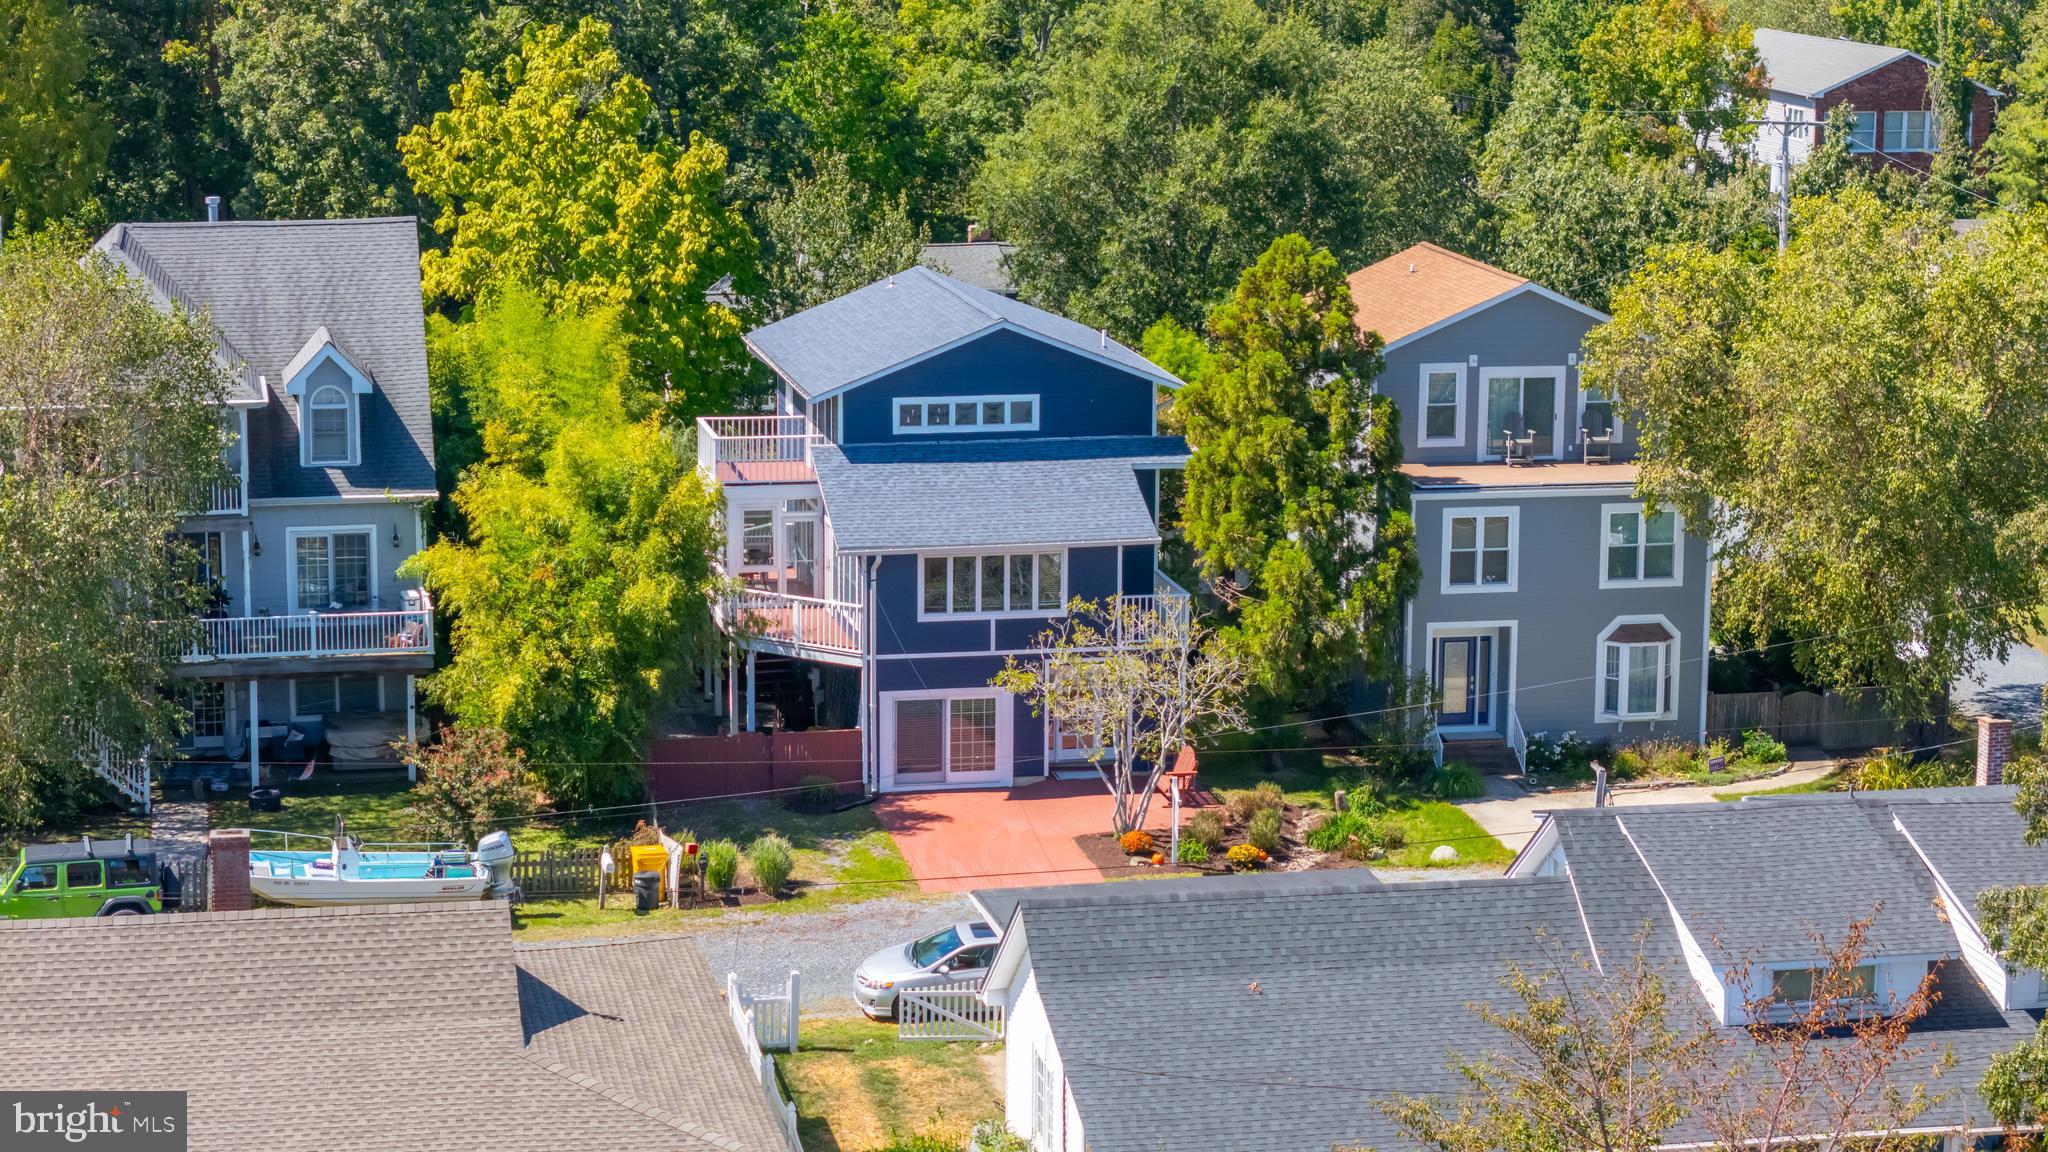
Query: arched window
[327,424]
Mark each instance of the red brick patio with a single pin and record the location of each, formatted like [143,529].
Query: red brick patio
[1004,837]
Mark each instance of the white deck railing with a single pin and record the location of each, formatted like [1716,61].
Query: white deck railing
[796,621]
[1518,740]
[755,449]
[227,500]
[315,634]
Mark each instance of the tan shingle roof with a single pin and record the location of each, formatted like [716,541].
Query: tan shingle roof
[394,1028]
[1413,289]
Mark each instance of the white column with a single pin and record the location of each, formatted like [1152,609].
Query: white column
[750,689]
[255,744]
[732,684]
[248,578]
[412,768]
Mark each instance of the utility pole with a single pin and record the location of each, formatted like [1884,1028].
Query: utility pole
[1784,128]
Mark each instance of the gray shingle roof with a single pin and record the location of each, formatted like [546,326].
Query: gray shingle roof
[395,1028]
[268,286]
[982,264]
[1362,992]
[891,498]
[999,904]
[907,316]
[1802,65]
[1760,878]
[1972,837]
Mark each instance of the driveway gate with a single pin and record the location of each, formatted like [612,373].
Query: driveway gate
[947,1012]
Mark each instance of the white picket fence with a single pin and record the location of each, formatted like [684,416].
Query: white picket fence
[947,1012]
[769,1019]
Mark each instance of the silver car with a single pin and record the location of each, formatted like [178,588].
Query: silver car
[950,955]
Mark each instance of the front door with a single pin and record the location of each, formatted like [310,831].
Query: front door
[1464,666]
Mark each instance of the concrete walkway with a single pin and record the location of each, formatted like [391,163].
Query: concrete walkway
[178,828]
[1511,814]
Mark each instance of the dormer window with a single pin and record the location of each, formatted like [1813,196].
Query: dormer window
[329,388]
[328,426]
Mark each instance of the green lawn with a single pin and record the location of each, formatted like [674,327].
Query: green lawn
[856,1086]
[111,824]
[1309,777]
[841,858]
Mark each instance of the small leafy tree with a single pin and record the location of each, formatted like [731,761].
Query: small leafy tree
[829,234]
[1295,497]
[471,780]
[1139,682]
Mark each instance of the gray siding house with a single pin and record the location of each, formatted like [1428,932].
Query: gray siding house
[313,637]
[1552,600]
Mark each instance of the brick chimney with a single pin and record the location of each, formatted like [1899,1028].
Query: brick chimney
[1994,748]
[227,852]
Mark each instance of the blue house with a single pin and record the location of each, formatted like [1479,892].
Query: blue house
[946,470]
[1552,599]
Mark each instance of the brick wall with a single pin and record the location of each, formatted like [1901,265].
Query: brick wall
[1901,87]
[1994,748]
[227,852]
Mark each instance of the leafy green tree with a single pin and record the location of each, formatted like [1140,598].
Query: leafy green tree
[841,84]
[321,90]
[155,77]
[578,597]
[108,427]
[52,139]
[1295,498]
[1460,69]
[2016,924]
[830,234]
[1572,209]
[554,184]
[1551,31]
[1677,69]
[1177,138]
[1829,417]
[2018,147]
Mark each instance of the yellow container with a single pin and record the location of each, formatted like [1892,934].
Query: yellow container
[652,858]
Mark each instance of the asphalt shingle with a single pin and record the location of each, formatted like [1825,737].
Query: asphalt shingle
[268,286]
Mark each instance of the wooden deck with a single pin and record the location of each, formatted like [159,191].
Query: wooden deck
[766,472]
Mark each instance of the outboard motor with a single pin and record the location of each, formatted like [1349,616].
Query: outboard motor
[495,852]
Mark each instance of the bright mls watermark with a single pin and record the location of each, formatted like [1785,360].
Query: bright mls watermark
[129,1121]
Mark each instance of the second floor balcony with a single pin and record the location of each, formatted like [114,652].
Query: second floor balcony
[408,630]
[756,449]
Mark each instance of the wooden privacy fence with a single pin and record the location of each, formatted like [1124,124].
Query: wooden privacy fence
[947,1012]
[1833,721]
[561,872]
[751,764]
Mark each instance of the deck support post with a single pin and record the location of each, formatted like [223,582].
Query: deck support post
[732,685]
[412,767]
[255,741]
[751,717]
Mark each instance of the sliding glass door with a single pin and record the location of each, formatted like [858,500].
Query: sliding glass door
[1523,404]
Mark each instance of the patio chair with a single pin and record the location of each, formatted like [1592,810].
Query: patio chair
[1520,449]
[1596,448]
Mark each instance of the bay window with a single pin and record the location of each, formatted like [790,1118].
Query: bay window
[1638,671]
[993,584]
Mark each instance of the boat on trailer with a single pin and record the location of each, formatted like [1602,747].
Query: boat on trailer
[351,872]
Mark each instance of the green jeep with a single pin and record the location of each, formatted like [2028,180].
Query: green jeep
[83,878]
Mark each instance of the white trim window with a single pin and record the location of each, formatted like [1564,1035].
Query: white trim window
[1911,132]
[992,584]
[1637,673]
[1792,988]
[1641,547]
[330,427]
[333,569]
[1440,402]
[926,415]
[1480,549]
[1045,1104]
[1863,138]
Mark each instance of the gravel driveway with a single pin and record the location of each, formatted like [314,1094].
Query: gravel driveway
[825,946]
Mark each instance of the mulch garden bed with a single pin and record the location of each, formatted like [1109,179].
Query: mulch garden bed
[1295,855]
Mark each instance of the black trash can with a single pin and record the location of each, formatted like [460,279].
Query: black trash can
[266,800]
[646,891]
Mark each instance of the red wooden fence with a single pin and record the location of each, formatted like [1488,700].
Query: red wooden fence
[766,765]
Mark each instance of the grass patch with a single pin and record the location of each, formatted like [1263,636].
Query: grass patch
[375,809]
[1835,781]
[1428,823]
[848,860]
[855,1085]
[1236,761]
[110,824]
